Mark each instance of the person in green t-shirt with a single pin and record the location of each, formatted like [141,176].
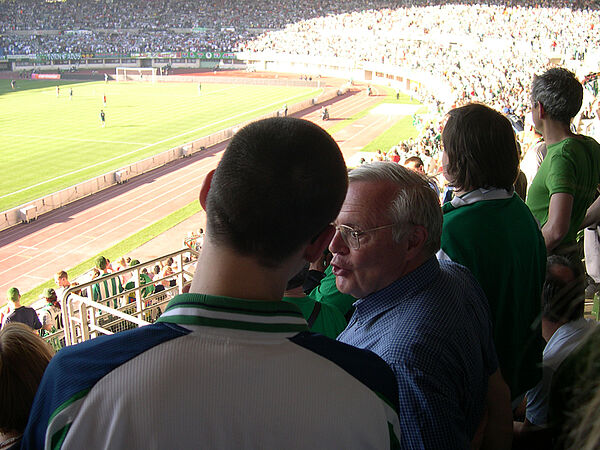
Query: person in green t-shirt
[322,317]
[489,229]
[567,179]
[145,280]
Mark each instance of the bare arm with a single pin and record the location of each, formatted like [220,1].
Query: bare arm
[499,427]
[559,216]
[592,216]
[531,437]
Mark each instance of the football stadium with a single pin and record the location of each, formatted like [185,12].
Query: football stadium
[379,206]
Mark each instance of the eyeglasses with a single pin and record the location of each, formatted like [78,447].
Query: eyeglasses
[351,236]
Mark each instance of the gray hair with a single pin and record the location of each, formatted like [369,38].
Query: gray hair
[560,93]
[416,203]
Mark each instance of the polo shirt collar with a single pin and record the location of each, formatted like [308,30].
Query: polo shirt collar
[408,286]
[480,194]
[233,313]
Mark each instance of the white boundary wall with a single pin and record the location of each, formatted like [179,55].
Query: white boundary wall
[407,80]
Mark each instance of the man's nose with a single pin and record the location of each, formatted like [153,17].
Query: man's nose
[337,244]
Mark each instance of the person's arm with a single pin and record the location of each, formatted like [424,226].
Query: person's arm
[46,325]
[315,273]
[498,430]
[559,217]
[37,325]
[327,292]
[592,216]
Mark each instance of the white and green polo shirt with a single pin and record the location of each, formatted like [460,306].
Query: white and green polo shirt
[216,372]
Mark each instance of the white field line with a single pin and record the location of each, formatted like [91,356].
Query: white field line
[114,93]
[145,147]
[381,126]
[74,139]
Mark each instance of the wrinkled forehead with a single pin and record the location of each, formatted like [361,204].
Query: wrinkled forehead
[366,203]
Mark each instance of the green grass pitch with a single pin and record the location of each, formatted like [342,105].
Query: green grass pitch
[50,141]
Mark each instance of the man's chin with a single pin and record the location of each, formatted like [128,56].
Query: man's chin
[343,285]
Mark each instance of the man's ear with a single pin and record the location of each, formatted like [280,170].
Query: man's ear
[416,241]
[205,188]
[315,248]
[542,111]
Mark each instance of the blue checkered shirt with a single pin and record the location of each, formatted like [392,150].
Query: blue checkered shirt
[433,328]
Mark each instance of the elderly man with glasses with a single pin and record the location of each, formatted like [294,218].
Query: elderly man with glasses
[428,320]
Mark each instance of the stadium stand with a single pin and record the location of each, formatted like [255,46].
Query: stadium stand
[141,303]
[484,53]
[464,47]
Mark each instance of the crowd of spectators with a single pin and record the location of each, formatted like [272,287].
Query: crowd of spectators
[156,15]
[399,32]
[122,42]
[47,316]
[492,72]
[479,52]
[139,26]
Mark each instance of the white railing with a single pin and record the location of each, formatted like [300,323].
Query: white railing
[85,319]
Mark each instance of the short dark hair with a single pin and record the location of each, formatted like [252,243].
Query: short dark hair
[61,274]
[13,294]
[481,148]
[280,182]
[418,162]
[563,298]
[559,92]
[101,262]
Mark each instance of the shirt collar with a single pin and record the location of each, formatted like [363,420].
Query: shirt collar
[406,287]
[234,313]
[569,329]
[481,194]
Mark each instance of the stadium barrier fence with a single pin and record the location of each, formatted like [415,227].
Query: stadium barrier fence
[84,318]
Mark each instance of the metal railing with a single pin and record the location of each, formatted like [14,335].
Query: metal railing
[85,319]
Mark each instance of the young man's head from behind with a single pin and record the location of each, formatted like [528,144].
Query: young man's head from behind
[280,182]
[13,295]
[101,263]
[559,92]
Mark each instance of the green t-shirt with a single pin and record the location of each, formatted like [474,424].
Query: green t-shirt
[327,292]
[144,280]
[329,322]
[501,244]
[571,166]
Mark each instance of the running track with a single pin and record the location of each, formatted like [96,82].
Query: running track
[31,253]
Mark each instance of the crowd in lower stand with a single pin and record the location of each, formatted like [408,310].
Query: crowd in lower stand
[47,317]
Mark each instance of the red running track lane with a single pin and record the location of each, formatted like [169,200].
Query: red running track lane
[31,253]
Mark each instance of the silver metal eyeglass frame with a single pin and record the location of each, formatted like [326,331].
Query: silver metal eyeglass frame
[351,236]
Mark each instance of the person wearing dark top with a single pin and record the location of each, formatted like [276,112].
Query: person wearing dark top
[23,314]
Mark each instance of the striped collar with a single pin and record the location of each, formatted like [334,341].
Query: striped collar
[233,313]
[481,194]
